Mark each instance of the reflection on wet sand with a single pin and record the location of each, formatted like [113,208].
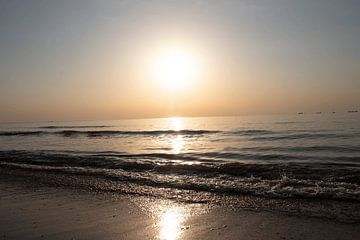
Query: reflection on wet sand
[170,220]
[170,217]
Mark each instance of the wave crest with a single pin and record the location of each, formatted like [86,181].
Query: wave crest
[280,180]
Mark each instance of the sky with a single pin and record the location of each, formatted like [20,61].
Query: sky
[92,60]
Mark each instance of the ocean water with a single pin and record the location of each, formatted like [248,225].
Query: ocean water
[309,156]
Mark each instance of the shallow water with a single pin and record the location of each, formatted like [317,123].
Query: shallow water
[282,156]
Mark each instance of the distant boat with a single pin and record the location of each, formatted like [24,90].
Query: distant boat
[300,113]
[333,112]
[352,111]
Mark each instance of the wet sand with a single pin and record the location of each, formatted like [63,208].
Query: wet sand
[59,213]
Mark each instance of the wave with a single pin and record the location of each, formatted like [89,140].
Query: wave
[267,157]
[21,133]
[70,133]
[99,133]
[212,157]
[280,180]
[74,126]
[250,132]
[304,135]
[299,149]
[145,133]
[285,122]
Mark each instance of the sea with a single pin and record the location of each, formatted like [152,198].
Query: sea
[295,157]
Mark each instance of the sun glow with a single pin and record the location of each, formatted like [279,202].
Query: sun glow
[175,68]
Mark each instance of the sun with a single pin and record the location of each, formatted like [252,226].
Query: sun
[175,68]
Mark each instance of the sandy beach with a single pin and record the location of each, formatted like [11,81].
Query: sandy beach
[30,212]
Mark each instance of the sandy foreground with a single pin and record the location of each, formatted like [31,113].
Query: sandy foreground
[57,213]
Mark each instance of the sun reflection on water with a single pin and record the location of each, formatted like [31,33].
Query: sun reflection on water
[177,124]
[177,144]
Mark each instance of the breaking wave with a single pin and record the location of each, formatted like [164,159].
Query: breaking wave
[198,172]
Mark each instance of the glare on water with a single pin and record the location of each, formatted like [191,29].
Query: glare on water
[177,124]
[177,144]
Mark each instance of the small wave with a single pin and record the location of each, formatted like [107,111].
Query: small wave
[73,126]
[145,133]
[21,133]
[284,122]
[305,135]
[72,133]
[299,149]
[250,132]
[274,157]
[255,135]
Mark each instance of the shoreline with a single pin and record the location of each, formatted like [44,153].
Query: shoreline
[327,209]
[29,210]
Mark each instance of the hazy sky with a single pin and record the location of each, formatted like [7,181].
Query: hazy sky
[87,59]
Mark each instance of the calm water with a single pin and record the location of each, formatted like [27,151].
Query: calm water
[282,156]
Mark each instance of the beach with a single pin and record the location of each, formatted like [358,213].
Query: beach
[32,211]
